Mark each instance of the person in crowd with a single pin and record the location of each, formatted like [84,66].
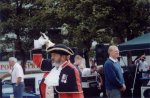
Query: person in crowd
[114,80]
[90,71]
[100,71]
[17,77]
[99,77]
[92,61]
[143,66]
[93,71]
[78,63]
[63,75]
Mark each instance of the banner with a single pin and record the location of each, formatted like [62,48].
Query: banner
[5,67]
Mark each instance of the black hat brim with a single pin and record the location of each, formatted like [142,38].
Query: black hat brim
[60,49]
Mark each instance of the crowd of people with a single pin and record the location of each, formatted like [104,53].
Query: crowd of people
[63,76]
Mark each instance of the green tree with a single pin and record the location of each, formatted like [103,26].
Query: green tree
[128,18]
[100,20]
[13,20]
[87,20]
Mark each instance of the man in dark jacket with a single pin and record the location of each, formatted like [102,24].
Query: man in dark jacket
[69,82]
[63,75]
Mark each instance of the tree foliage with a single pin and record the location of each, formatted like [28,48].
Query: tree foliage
[87,20]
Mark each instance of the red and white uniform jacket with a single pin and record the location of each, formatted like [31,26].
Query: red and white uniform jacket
[45,91]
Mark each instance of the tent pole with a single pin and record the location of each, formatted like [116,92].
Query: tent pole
[129,58]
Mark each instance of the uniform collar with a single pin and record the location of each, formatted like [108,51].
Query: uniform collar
[65,64]
[114,60]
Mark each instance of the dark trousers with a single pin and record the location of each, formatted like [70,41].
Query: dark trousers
[18,90]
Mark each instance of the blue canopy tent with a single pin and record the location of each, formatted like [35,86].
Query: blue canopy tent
[141,43]
[134,47]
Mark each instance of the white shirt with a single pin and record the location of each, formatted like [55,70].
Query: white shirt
[143,66]
[16,72]
[87,72]
[114,60]
[52,79]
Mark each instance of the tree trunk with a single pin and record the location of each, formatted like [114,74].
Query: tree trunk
[86,56]
[21,50]
[129,58]
[17,31]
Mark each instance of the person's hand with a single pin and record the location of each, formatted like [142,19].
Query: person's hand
[99,85]
[48,44]
[43,40]
[123,88]
[40,42]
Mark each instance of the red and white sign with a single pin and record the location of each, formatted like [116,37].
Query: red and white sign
[30,66]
